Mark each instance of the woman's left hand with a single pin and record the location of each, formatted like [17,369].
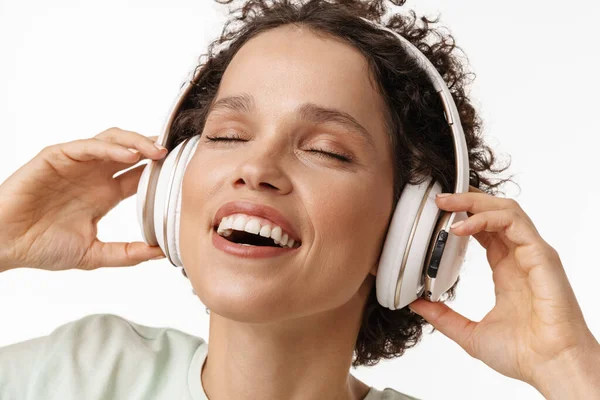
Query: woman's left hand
[536,331]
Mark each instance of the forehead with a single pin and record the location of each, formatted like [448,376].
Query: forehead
[287,66]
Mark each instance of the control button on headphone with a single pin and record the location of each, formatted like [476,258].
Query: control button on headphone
[436,256]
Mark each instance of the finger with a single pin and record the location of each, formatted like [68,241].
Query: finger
[93,149]
[453,325]
[128,181]
[118,167]
[146,145]
[473,189]
[123,254]
[494,246]
[476,202]
[509,222]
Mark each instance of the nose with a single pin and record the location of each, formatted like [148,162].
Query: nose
[263,171]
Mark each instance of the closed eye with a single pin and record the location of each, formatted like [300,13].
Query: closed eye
[319,152]
[329,154]
[224,139]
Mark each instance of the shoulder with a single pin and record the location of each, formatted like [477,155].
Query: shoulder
[82,357]
[388,394]
[106,331]
[111,336]
[391,394]
[105,325]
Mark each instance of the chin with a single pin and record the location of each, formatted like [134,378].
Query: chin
[267,291]
[262,305]
[243,301]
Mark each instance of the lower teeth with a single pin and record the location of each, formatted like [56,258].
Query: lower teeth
[246,244]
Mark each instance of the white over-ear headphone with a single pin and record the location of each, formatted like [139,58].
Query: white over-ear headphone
[420,256]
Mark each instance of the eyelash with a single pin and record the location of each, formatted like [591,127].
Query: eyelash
[319,152]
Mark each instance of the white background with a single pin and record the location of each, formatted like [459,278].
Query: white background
[69,70]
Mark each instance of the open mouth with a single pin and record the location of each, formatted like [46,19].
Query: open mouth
[250,239]
[250,231]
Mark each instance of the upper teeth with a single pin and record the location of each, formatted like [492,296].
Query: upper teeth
[247,223]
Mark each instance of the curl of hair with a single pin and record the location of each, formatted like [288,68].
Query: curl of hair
[419,135]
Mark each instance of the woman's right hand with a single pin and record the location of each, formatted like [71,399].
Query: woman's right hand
[50,207]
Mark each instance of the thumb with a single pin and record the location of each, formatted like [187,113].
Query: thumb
[452,324]
[120,254]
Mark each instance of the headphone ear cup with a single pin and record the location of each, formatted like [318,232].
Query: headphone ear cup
[175,218]
[142,198]
[166,197]
[410,232]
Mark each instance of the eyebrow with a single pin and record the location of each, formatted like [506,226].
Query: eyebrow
[244,103]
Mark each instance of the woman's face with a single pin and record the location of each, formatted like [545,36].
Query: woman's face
[289,97]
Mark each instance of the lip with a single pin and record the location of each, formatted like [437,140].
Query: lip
[257,210]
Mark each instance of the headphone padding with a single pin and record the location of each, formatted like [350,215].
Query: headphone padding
[141,197]
[168,184]
[174,219]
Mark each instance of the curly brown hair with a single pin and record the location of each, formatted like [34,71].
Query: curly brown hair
[419,134]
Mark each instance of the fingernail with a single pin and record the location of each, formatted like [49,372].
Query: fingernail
[134,151]
[158,146]
[159,257]
[444,194]
[456,224]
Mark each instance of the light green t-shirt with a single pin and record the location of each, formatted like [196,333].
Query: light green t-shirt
[110,358]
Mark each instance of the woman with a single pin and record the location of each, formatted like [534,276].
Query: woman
[287,327]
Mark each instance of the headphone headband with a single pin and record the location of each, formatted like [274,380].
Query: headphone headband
[450,111]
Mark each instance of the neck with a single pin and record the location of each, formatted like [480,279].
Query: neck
[305,358]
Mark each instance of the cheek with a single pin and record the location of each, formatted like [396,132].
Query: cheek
[350,222]
[201,183]
[205,176]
